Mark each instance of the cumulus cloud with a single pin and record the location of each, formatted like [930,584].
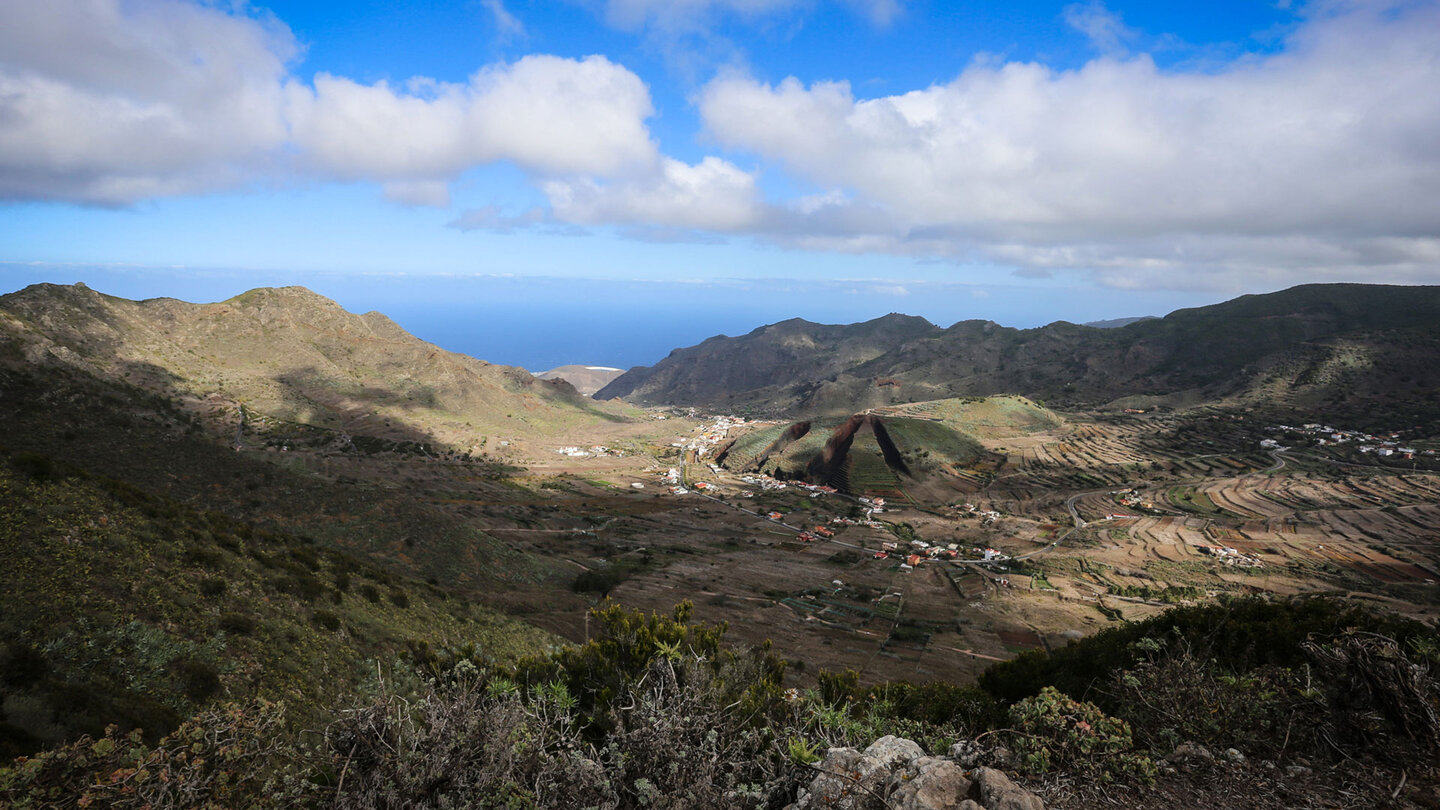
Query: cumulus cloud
[104,102]
[1318,159]
[711,195]
[108,102]
[545,113]
[1306,157]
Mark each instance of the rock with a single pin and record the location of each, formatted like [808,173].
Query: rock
[895,774]
[891,752]
[842,783]
[967,753]
[996,792]
[1189,755]
[929,783]
[1297,771]
[1234,755]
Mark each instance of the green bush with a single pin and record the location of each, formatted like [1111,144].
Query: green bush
[1176,697]
[1052,731]
[232,756]
[327,620]
[200,680]
[33,465]
[1237,634]
[237,624]
[601,580]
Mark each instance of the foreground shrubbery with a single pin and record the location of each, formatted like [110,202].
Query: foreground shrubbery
[656,712]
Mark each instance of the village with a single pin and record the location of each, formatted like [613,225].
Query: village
[1386,445]
[1093,521]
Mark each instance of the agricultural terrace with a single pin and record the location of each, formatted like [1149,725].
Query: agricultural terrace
[1011,528]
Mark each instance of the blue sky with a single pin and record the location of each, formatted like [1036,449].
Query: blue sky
[601,181]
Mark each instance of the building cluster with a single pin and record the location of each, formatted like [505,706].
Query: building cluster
[1132,499]
[1384,445]
[987,516]
[582,452]
[1230,556]
[711,435]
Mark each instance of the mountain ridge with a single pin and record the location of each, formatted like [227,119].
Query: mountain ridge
[289,353]
[1310,344]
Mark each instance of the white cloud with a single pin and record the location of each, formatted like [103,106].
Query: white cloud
[1317,160]
[1304,158]
[711,195]
[507,25]
[104,102]
[1105,30]
[110,102]
[545,113]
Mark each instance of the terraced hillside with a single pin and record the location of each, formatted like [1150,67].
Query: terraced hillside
[864,453]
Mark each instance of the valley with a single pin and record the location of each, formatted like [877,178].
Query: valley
[1063,527]
[920,541]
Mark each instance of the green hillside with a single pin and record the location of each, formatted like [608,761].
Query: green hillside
[123,607]
[864,453]
[1367,354]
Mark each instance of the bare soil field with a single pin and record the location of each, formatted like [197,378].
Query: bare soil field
[1067,525]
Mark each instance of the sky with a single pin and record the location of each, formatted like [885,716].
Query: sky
[601,181]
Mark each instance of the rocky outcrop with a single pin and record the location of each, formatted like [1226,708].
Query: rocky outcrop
[896,773]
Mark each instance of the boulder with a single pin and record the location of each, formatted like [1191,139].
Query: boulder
[1189,755]
[892,752]
[996,792]
[929,783]
[848,780]
[895,774]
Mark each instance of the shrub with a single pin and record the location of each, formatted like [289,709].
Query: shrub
[601,580]
[200,680]
[1238,634]
[1379,691]
[327,620]
[212,587]
[237,624]
[1053,731]
[232,756]
[22,665]
[33,465]
[1177,697]
[303,586]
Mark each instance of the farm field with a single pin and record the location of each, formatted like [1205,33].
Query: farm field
[1063,525]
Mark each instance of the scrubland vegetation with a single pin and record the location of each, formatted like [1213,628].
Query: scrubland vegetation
[656,711]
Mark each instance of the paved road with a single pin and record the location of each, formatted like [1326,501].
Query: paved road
[1279,463]
[1074,515]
